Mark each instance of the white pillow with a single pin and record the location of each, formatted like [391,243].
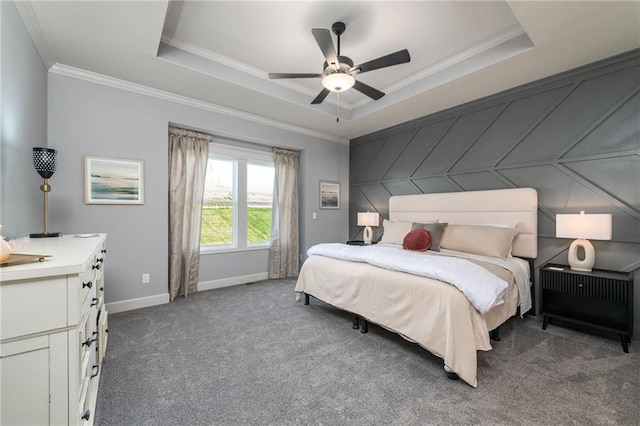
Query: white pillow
[394,232]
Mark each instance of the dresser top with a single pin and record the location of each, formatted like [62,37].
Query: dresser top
[69,254]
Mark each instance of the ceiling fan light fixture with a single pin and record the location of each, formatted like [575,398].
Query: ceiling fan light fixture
[338,82]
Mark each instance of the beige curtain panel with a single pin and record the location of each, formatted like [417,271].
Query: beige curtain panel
[188,154]
[283,252]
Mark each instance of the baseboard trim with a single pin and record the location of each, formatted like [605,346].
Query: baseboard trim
[140,302]
[228,282]
[161,299]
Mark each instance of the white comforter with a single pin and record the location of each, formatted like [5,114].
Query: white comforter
[461,273]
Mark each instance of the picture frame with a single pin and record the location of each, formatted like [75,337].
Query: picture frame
[329,193]
[113,181]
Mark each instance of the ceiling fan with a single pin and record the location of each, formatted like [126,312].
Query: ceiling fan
[338,71]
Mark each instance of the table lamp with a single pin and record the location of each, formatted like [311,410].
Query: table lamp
[44,161]
[583,227]
[368,220]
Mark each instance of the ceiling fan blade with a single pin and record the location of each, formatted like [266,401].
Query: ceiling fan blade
[323,38]
[323,94]
[374,94]
[276,75]
[396,58]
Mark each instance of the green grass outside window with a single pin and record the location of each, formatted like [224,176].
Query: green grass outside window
[217,225]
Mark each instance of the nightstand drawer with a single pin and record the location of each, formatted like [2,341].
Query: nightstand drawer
[581,285]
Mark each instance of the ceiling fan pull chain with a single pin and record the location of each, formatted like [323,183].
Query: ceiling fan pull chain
[338,105]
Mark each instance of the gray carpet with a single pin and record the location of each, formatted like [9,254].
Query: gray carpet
[251,355]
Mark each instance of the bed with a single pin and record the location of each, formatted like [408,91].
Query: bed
[435,314]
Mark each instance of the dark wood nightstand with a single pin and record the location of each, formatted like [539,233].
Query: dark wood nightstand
[599,299]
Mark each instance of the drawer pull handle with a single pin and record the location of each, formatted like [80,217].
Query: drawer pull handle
[96,267]
[86,415]
[89,284]
[90,340]
[100,260]
[103,251]
[95,368]
[101,288]
[94,302]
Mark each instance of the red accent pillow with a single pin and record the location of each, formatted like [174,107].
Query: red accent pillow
[417,240]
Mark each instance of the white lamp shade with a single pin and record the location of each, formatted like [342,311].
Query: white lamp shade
[584,226]
[368,219]
[338,82]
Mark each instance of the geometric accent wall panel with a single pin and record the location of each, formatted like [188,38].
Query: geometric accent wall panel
[590,101]
[434,185]
[612,176]
[479,181]
[376,195]
[401,187]
[361,157]
[467,128]
[560,192]
[574,137]
[417,150]
[513,124]
[619,132]
[391,148]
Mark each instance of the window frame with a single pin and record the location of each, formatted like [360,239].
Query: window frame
[241,157]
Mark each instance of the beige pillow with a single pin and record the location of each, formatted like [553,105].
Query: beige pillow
[395,231]
[476,239]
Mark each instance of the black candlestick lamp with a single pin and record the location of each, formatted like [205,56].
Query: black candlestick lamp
[44,161]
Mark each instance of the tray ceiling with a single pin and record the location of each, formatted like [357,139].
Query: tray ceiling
[219,53]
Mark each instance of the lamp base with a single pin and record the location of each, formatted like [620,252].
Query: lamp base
[46,235]
[367,236]
[585,264]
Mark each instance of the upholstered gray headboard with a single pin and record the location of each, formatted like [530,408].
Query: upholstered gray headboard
[500,206]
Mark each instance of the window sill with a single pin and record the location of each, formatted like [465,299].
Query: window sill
[217,250]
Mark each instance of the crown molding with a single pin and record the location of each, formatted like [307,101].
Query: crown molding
[80,74]
[243,68]
[430,73]
[207,54]
[475,50]
[31,23]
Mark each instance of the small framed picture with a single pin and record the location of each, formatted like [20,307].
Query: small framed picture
[329,195]
[113,181]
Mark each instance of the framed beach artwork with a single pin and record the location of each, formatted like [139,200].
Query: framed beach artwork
[329,195]
[113,181]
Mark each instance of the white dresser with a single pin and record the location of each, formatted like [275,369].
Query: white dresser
[53,332]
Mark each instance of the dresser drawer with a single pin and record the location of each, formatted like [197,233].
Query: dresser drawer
[86,284]
[103,334]
[29,307]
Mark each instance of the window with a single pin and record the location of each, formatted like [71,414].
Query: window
[238,198]
[259,202]
[218,209]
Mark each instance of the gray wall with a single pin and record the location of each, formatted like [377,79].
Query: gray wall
[86,118]
[23,89]
[574,137]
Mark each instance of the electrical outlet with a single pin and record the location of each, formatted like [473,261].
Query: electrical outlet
[145,278]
